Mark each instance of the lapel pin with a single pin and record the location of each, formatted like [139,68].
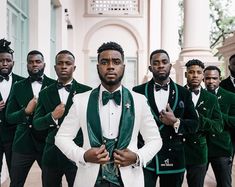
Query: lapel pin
[200,103]
[127,105]
[204,108]
[219,97]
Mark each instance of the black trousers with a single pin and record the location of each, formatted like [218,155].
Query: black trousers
[222,168]
[196,175]
[166,180]
[20,166]
[52,177]
[6,148]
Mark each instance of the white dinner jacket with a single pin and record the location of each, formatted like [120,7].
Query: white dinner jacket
[87,172]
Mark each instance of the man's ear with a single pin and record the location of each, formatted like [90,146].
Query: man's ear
[150,68]
[185,74]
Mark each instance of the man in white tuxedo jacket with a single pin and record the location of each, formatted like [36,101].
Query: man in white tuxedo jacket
[110,117]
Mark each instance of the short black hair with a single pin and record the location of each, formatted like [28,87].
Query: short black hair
[64,52]
[35,52]
[5,47]
[195,62]
[231,57]
[110,46]
[212,68]
[159,51]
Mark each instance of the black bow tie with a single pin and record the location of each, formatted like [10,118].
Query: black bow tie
[116,96]
[4,78]
[196,92]
[159,87]
[38,79]
[67,87]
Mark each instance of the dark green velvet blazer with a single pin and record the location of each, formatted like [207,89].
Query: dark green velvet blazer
[210,121]
[27,140]
[171,158]
[220,144]
[48,99]
[7,132]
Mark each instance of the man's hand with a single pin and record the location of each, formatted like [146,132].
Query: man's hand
[124,157]
[58,111]
[31,106]
[97,155]
[2,105]
[167,116]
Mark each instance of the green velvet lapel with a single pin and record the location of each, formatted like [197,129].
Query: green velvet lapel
[126,121]
[172,100]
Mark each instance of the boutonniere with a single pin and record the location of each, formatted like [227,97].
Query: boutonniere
[204,108]
[220,97]
[127,105]
[201,103]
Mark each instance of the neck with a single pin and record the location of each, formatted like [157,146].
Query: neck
[64,81]
[111,88]
[161,82]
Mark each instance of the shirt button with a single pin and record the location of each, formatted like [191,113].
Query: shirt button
[104,141]
[57,126]
[115,139]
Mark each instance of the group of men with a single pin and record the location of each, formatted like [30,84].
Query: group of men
[110,136]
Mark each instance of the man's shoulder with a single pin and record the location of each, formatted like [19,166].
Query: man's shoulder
[140,88]
[81,87]
[17,77]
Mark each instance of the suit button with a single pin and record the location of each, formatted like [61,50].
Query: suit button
[104,141]
[184,139]
[57,126]
[30,126]
[170,137]
[169,149]
[213,135]
[116,140]
[104,177]
[195,142]
[0,121]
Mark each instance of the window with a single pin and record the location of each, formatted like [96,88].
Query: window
[113,7]
[17,32]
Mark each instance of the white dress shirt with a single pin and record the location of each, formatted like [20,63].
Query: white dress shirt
[36,87]
[196,97]
[110,115]
[64,94]
[161,98]
[5,88]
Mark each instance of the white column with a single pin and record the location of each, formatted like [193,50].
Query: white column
[169,28]
[196,37]
[3,20]
[39,27]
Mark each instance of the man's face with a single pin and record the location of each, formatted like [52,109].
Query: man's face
[35,65]
[231,67]
[64,67]
[110,67]
[194,76]
[6,64]
[160,66]
[211,79]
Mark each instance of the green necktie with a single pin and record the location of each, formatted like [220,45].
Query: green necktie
[116,96]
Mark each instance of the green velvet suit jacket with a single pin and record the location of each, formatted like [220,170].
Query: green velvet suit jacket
[26,139]
[171,157]
[7,132]
[48,99]
[210,121]
[220,144]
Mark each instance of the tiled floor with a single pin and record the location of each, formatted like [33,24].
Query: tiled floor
[34,178]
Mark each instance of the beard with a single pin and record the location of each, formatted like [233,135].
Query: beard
[6,73]
[161,77]
[110,82]
[39,73]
